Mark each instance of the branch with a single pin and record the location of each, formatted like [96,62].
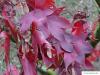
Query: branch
[98,2]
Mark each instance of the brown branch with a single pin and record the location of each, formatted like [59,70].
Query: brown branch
[98,2]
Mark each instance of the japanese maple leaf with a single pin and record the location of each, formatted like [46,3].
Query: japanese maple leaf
[11,70]
[47,24]
[6,45]
[9,24]
[48,29]
[28,61]
[40,3]
[95,53]
[80,28]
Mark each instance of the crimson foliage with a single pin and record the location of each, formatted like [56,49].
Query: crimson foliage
[60,44]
